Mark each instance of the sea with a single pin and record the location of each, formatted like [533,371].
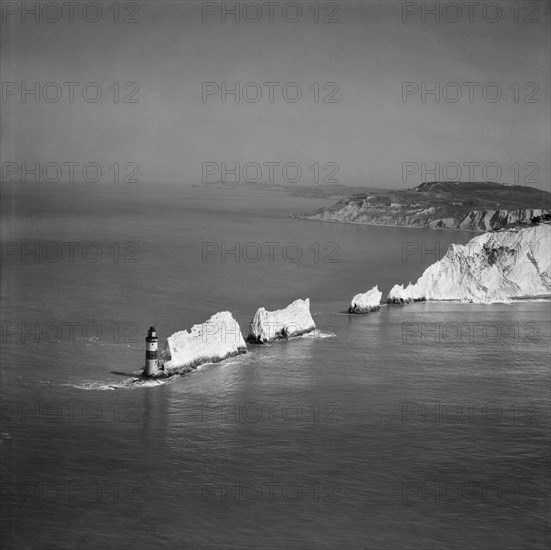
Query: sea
[425,426]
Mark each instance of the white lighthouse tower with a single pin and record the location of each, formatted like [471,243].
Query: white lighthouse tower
[151,354]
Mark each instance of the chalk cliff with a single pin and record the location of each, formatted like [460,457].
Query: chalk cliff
[366,302]
[494,267]
[470,206]
[293,320]
[214,340]
[486,220]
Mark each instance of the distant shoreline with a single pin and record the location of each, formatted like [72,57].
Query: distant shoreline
[397,225]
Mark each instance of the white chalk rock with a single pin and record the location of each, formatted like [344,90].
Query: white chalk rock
[366,302]
[400,295]
[216,339]
[294,320]
[494,267]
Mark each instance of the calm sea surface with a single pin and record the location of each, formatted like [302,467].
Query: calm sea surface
[417,427]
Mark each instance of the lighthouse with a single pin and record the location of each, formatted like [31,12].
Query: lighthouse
[151,359]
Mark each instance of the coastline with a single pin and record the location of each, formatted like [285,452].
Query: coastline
[405,226]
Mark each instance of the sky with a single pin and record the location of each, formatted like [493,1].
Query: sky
[362,118]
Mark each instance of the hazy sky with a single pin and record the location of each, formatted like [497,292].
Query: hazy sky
[369,52]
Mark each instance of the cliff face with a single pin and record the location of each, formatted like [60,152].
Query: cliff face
[346,211]
[487,220]
[494,267]
[442,205]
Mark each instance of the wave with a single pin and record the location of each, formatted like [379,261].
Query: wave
[136,382]
[128,384]
[316,334]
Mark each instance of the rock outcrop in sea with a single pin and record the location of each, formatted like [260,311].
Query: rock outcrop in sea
[293,320]
[494,267]
[212,341]
[366,302]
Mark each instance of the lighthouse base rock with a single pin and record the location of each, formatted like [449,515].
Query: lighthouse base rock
[494,267]
[214,340]
[294,320]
